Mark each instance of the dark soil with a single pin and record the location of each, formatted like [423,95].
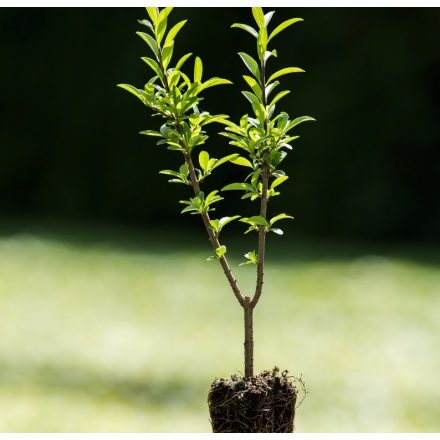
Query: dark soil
[263,403]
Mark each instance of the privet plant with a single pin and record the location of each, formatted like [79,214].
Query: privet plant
[262,139]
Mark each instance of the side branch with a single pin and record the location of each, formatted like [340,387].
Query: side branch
[213,238]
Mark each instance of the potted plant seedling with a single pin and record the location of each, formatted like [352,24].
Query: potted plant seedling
[263,402]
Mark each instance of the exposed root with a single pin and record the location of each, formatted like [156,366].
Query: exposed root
[263,403]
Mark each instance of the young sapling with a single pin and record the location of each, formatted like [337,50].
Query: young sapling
[263,140]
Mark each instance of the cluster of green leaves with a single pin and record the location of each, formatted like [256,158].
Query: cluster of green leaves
[264,136]
[171,94]
[257,221]
[201,204]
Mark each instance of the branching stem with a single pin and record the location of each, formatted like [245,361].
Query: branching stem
[213,238]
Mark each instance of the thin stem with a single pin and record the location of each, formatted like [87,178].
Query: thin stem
[264,200]
[248,338]
[213,238]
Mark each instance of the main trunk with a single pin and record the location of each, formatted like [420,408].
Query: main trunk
[248,338]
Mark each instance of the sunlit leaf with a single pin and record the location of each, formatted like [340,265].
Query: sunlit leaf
[167,53]
[279,96]
[258,16]
[262,43]
[214,82]
[251,64]
[254,85]
[153,12]
[238,186]
[182,60]
[162,23]
[150,133]
[134,91]
[242,161]
[146,23]
[150,41]
[283,26]
[255,220]
[284,71]
[220,251]
[247,28]
[153,65]
[174,31]
[279,217]
[198,70]
[203,160]
[268,17]
[278,181]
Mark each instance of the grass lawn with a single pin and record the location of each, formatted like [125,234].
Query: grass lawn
[99,333]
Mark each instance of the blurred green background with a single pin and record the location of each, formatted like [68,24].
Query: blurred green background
[110,317]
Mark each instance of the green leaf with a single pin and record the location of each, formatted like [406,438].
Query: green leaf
[255,220]
[174,31]
[170,173]
[215,225]
[198,70]
[224,160]
[212,197]
[150,133]
[258,16]
[299,120]
[238,186]
[146,23]
[251,257]
[213,82]
[133,90]
[220,251]
[214,118]
[254,85]
[184,170]
[242,161]
[279,96]
[153,12]
[251,98]
[283,26]
[270,87]
[268,17]
[284,71]
[167,53]
[262,43]
[260,111]
[251,64]
[182,60]
[173,78]
[150,41]
[203,160]
[278,181]
[225,220]
[162,23]
[153,65]
[254,178]
[279,217]
[269,54]
[246,28]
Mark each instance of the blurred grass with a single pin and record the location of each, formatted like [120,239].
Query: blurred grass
[103,329]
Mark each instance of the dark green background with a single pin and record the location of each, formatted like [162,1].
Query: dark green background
[368,169]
